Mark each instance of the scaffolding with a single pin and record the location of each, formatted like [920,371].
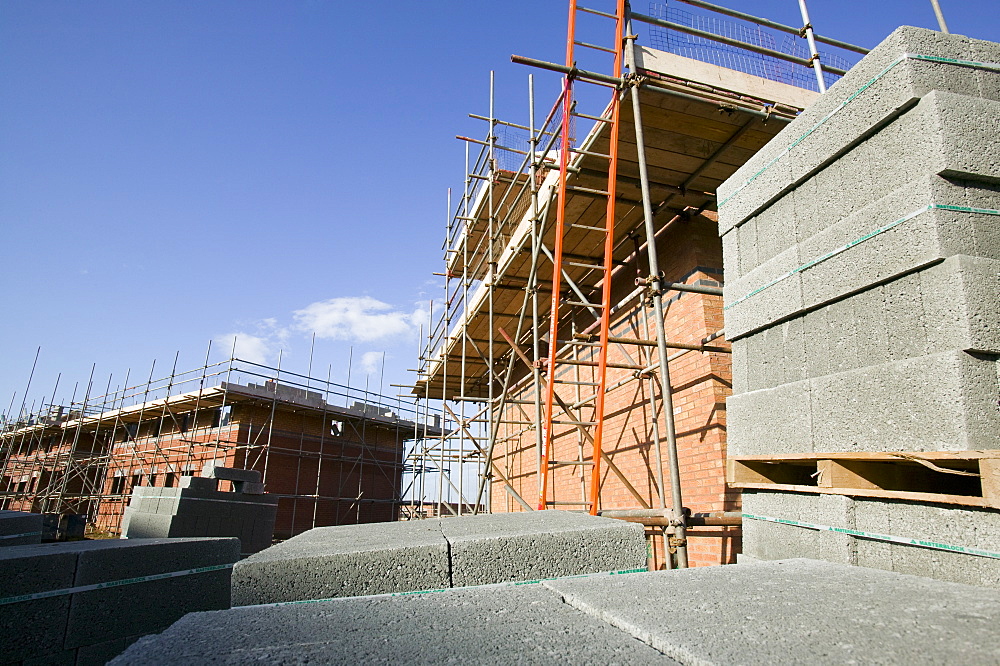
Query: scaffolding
[587,224]
[331,453]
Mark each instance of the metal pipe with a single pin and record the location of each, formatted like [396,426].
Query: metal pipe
[774,24]
[661,335]
[588,337]
[813,51]
[663,521]
[940,16]
[681,286]
[732,42]
[575,72]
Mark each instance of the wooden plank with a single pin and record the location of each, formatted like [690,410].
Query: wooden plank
[841,474]
[989,477]
[760,473]
[877,455]
[963,500]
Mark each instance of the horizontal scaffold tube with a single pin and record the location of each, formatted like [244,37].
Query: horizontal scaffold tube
[769,24]
[733,42]
[596,77]
[589,337]
[663,517]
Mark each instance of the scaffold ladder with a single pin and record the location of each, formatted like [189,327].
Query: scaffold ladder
[559,353]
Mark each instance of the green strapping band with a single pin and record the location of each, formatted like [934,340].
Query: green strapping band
[858,241]
[451,589]
[878,537]
[851,98]
[18,536]
[113,583]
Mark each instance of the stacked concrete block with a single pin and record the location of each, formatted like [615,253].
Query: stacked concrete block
[84,602]
[526,624]
[246,481]
[377,558]
[965,527]
[795,611]
[198,509]
[863,261]
[790,611]
[532,545]
[345,561]
[19,528]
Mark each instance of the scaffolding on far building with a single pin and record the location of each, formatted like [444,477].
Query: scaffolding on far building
[332,453]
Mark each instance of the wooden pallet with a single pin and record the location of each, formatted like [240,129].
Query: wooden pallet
[968,478]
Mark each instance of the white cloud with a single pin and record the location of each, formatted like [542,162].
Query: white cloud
[357,318]
[371,362]
[247,347]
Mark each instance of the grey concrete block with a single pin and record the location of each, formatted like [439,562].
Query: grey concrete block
[99,654]
[764,295]
[938,402]
[348,560]
[941,135]
[61,658]
[126,521]
[916,243]
[506,624]
[20,528]
[34,628]
[752,189]
[249,488]
[895,90]
[213,471]
[770,421]
[953,305]
[951,525]
[815,327]
[871,326]
[199,483]
[148,526]
[795,611]
[532,545]
[929,237]
[742,358]
[960,304]
[101,615]
[195,512]
[731,255]
[775,541]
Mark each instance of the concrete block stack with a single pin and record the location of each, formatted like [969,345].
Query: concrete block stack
[199,509]
[86,601]
[20,528]
[791,611]
[378,558]
[862,261]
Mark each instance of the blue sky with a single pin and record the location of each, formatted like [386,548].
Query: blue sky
[178,172]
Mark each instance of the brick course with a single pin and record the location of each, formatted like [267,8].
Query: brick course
[690,251]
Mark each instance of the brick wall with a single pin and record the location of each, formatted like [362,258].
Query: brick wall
[338,470]
[690,252]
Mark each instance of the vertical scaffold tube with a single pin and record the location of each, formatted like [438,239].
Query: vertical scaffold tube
[567,104]
[813,51]
[656,285]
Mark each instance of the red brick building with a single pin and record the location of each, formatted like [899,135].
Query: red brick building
[329,465]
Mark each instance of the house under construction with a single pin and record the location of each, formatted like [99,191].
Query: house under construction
[581,350]
[333,455]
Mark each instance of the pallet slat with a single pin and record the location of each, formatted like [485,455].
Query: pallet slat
[970,478]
